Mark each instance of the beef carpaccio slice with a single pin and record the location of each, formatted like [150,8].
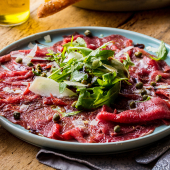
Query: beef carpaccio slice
[96,126]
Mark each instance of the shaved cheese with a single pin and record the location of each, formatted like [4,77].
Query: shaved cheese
[78,123]
[8,90]
[4,67]
[17,91]
[24,107]
[15,54]
[30,45]
[25,83]
[70,83]
[94,122]
[45,86]
[53,64]
[159,87]
[110,68]
[27,59]
[47,38]
[39,58]
[74,55]
[124,51]
[152,49]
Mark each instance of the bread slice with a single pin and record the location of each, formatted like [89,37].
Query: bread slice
[53,6]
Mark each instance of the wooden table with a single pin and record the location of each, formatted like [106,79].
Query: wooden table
[155,23]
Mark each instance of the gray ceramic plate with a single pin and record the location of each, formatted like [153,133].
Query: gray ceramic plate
[122,5]
[44,142]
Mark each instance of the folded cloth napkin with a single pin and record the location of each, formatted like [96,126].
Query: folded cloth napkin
[141,159]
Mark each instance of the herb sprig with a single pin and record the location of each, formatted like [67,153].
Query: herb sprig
[97,69]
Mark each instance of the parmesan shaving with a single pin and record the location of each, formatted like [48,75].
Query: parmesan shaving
[24,107]
[17,54]
[94,122]
[30,45]
[45,86]
[152,49]
[47,38]
[78,123]
[124,51]
[25,83]
[27,59]
[53,64]
[74,55]
[8,90]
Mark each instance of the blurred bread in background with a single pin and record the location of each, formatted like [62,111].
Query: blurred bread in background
[53,6]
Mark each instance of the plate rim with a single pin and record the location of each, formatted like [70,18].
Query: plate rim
[40,34]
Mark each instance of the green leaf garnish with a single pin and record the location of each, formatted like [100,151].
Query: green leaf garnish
[161,53]
[35,72]
[77,76]
[128,62]
[96,97]
[94,68]
[70,113]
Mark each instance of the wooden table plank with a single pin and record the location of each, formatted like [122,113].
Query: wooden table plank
[16,154]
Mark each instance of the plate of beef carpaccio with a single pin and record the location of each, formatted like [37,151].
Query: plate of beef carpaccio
[86,89]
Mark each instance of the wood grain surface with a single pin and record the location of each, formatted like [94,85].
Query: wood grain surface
[155,23]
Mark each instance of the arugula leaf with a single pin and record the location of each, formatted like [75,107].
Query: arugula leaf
[161,53]
[99,72]
[96,63]
[104,54]
[81,42]
[121,70]
[128,62]
[77,76]
[95,53]
[85,100]
[35,73]
[98,98]
[109,97]
[84,50]
[70,113]
[62,87]
[107,79]
[110,68]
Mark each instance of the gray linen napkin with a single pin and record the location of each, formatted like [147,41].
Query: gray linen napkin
[145,159]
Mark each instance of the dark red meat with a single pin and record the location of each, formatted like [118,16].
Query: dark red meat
[93,126]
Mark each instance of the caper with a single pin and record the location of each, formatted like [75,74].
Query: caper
[143,92]
[139,85]
[16,115]
[30,64]
[18,60]
[39,71]
[145,97]
[89,85]
[132,104]
[158,78]
[43,75]
[153,83]
[38,67]
[88,33]
[56,117]
[84,82]
[138,54]
[95,64]
[74,104]
[117,128]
